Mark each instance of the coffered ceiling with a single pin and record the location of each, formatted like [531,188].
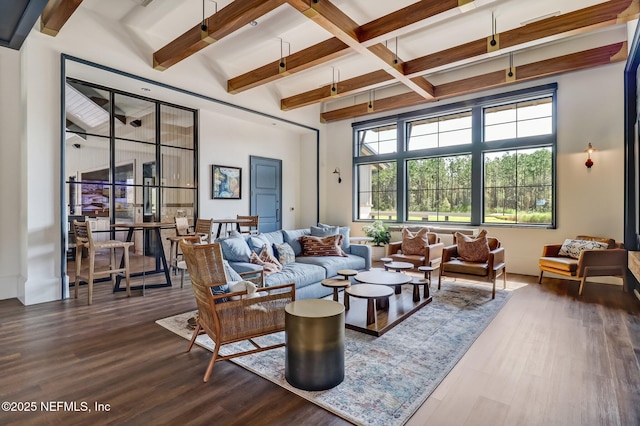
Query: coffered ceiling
[359,57]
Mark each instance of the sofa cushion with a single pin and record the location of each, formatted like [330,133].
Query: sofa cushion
[463,267]
[573,248]
[299,273]
[566,264]
[257,243]
[414,243]
[292,238]
[473,249]
[235,249]
[285,253]
[326,246]
[332,264]
[324,231]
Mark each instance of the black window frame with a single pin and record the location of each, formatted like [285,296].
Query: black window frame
[477,148]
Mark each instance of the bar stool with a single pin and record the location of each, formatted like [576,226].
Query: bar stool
[84,238]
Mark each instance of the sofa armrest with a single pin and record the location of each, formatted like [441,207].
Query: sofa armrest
[394,247]
[551,250]
[433,254]
[449,252]
[363,251]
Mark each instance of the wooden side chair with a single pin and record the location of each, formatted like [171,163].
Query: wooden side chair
[84,238]
[249,228]
[182,230]
[231,317]
[204,227]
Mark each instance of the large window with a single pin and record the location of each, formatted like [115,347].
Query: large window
[489,161]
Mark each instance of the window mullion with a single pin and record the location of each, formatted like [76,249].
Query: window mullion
[477,180]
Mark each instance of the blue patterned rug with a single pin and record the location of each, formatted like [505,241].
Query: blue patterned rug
[387,378]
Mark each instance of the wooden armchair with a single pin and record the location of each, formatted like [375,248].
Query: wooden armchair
[455,267]
[232,320]
[611,261]
[430,256]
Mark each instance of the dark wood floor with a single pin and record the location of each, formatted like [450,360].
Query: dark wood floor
[559,359]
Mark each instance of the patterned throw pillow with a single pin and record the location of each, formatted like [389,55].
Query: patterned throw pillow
[573,248]
[327,246]
[473,249]
[242,286]
[414,243]
[267,256]
[268,262]
[285,253]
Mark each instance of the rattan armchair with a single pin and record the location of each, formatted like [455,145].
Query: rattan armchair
[233,320]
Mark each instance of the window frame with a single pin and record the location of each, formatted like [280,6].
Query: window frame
[477,148]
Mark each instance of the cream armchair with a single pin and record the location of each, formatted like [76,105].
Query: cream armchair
[611,261]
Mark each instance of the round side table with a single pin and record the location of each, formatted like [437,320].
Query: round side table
[336,284]
[314,348]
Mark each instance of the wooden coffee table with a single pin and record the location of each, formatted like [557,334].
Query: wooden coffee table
[390,312]
[398,266]
[370,292]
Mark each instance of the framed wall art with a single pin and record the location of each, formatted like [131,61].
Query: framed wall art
[226,182]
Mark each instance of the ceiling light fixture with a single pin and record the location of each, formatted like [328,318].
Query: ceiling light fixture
[283,62]
[494,28]
[590,149]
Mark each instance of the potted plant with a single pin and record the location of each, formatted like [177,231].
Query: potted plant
[379,233]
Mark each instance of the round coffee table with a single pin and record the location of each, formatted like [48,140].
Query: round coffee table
[387,278]
[398,266]
[336,284]
[346,273]
[371,292]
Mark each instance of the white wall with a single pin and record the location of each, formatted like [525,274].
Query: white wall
[11,115]
[590,201]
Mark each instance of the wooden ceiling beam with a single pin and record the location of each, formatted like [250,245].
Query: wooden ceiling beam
[572,62]
[342,88]
[370,33]
[296,62]
[55,14]
[227,20]
[572,23]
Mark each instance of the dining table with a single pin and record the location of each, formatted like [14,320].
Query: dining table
[161,266]
[230,221]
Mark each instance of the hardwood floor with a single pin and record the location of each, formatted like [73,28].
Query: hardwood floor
[548,358]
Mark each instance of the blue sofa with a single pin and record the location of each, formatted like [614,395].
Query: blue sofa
[307,271]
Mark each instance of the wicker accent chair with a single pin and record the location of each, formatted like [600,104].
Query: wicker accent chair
[84,239]
[590,263]
[182,230]
[454,267]
[233,320]
[249,228]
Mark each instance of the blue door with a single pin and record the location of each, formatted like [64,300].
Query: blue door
[266,192]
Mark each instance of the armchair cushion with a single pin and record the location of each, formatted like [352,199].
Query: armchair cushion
[573,248]
[414,243]
[473,249]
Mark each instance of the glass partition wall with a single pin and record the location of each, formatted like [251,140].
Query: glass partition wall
[128,159]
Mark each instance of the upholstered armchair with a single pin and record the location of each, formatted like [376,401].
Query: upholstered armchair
[421,249]
[463,260]
[584,257]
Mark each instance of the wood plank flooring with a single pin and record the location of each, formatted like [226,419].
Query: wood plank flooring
[549,358]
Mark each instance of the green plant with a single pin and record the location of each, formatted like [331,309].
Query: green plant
[379,231]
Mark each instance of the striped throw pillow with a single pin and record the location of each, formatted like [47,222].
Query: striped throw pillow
[322,246]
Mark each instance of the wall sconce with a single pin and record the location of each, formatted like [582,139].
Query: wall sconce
[337,172]
[589,150]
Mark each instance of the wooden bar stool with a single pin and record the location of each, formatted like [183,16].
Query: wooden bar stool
[84,238]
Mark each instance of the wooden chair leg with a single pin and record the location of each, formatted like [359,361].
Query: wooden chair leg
[92,265]
[582,281]
[127,274]
[181,278]
[76,283]
[493,289]
[540,277]
[196,332]
[207,374]
[504,278]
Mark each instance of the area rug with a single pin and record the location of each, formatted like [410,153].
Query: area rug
[387,378]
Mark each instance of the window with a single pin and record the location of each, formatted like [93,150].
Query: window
[435,132]
[439,189]
[377,191]
[378,140]
[484,161]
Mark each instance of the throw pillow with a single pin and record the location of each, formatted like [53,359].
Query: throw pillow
[258,242]
[285,253]
[323,231]
[327,246]
[573,248]
[235,249]
[292,238]
[344,230]
[242,286]
[267,256]
[473,249]
[414,243]
[267,267]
